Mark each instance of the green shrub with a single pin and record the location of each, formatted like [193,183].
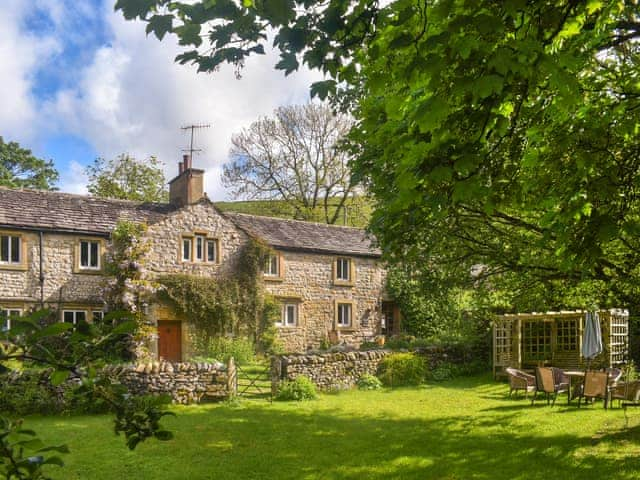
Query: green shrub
[369,382]
[302,388]
[402,369]
[364,346]
[29,394]
[223,348]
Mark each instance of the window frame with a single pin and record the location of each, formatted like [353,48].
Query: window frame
[277,259]
[340,303]
[350,271]
[75,315]
[5,317]
[204,240]
[21,264]
[284,318]
[88,269]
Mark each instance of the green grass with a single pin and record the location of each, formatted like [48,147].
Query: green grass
[462,429]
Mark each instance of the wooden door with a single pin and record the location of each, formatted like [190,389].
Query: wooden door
[170,341]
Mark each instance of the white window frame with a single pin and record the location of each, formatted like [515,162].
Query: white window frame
[5,316]
[271,261]
[341,310]
[284,318]
[198,248]
[75,315]
[343,269]
[9,260]
[98,254]
[188,243]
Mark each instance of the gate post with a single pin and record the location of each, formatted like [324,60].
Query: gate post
[276,374]
[232,378]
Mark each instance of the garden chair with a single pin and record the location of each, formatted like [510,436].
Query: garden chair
[550,381]
[519,380]
[596,385]
[625,391]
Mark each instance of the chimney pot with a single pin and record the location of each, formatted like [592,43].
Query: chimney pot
[187,161]
[180,168]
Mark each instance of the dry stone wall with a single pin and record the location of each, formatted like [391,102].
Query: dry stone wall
[185,382]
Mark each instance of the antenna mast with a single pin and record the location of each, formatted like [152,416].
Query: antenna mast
[193,128]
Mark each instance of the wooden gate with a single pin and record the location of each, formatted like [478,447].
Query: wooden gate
[254,381]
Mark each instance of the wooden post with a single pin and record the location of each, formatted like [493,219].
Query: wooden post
[232,378]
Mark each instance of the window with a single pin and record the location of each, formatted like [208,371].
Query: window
[89,255]
[74,316]
[10,249]
[186,249]
[5,317]
[272,266]
[199,248]
[289,316]
[199,241]
[344,311]
[97,316]
[342,269]
[212,251]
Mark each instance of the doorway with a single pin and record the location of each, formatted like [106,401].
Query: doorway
[170,341]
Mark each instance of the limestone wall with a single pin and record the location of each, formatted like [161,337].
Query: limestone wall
[185,382]
[308,281]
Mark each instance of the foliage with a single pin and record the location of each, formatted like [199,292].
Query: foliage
[369,382]
[223,348]
[299,389]
[131,288]
[19,168]
[498,138]
[28,394]
[223,305]
[78,351]
[400,369]
[356,210]
[294,156]
[128,179]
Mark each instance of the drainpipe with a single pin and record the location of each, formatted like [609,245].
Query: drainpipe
[41,278]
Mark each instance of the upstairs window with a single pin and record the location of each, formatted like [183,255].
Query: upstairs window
[6,314]
[199,248]
[343,269]
[89,255]
[10,249]
[212,251]
[344,312]
[186,249]
[272,266]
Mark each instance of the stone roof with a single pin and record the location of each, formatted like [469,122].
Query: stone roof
[64,212]
[69,213]
[296,235]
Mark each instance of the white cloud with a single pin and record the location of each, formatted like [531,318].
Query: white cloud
[20,55]
[133,98]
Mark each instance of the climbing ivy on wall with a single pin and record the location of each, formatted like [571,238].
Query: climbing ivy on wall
[131,287]
[233,304]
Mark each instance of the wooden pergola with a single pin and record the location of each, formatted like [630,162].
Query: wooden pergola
[527,340]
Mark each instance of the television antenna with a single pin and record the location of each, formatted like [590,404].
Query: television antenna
[193,128]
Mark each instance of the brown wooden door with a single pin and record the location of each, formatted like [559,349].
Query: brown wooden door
[170,341]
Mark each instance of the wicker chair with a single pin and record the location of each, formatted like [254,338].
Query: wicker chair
[596,385]
[519,380]
[626,391]
[550,381]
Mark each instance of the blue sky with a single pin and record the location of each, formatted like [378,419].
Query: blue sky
[79,82]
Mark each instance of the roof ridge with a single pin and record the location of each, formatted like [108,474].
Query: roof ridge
[83,196]
[321,224]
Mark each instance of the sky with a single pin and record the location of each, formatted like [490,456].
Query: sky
[79,82]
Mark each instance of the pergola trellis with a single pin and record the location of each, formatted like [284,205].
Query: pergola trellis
[527,340]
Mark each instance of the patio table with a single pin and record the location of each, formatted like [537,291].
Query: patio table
[573,374]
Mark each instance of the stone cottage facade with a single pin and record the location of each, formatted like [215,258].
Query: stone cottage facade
[329,280]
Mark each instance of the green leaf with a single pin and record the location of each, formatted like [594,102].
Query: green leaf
[58,377]
[54,461]
[135,8]
[160,25]
[189,34]
[53,330]
[488,85]
[288,63]
[126,327]
[431,112]
[323,89]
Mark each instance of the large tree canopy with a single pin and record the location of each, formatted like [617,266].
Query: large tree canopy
[500,134]
[128,179]
[294,156]
[19,168]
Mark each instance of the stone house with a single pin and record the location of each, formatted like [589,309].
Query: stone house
[330,280]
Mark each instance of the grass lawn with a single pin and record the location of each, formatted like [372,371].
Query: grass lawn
[462,429]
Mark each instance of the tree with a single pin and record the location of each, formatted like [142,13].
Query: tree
[294,156]
[495,135]
[128,179]
[19,168]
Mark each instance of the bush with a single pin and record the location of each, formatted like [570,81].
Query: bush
[29,393]
[369,382]
[302,388]
[402,369]
[222,348]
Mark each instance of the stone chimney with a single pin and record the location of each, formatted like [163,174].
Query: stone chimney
[188,186]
